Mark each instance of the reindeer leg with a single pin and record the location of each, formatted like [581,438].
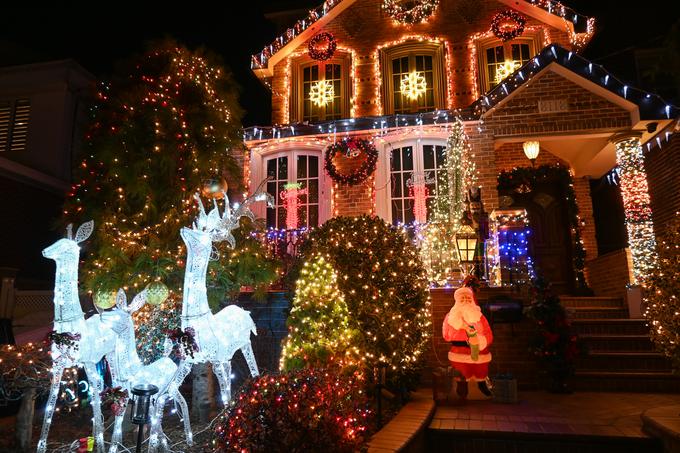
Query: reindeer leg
[96,382]
[248,354]
[223,372]
[184,414]
[156,434]
[57,371]
[117,436]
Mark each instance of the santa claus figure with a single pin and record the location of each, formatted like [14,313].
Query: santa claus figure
[468,331]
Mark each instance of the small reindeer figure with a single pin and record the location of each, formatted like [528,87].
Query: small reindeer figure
[130,371]
[218,336]
[93,339]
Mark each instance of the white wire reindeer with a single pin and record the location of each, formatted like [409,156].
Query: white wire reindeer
[129,370]
[96,338]
[218,336]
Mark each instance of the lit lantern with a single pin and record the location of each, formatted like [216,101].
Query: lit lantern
[531,150]
[321,93]
[141,400]
[466,245]
[413,85]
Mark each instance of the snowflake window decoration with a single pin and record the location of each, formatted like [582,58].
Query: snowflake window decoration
[413,85]
[321,93]
[505,69]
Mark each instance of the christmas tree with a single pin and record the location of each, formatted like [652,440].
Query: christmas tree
[437,242]
[165,128]
[318,325]
[661,303]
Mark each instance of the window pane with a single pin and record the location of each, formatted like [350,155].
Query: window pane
[396,159]
[281,217]
[302,167]
[525,52]
[396,211]
[313,215]
[396,185]
[313,190]
[283,168]
[271,217]
[441,156]
[306,74]
[302,216]
[428,156]
[408,216]
[428,62]
[315,73]
[490,55]
[313,166]
[271,168]
[271,189]
[407,157]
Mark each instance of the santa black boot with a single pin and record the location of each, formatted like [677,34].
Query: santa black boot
[462,389]
[485,387]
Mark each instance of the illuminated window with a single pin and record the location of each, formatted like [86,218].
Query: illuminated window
[413,77]
[295,166]
[497,61]
[14,117]
[320,90]
[423,159]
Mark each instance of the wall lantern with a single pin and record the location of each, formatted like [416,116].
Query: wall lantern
[531,150]
[466,246]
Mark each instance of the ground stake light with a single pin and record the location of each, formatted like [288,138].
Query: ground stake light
[141,399]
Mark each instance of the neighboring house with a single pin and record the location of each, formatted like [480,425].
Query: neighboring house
[41,111]
[533,87]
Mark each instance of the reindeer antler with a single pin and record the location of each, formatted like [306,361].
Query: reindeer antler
[220,226]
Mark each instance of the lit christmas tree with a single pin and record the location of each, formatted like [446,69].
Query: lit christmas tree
[158,132]
[438,250]
[319,330]
[661,303]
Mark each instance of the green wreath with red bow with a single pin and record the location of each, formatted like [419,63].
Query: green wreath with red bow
[351,148]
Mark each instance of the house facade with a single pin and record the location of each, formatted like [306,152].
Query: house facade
[401,74]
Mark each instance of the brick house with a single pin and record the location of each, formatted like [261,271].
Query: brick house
[533,87]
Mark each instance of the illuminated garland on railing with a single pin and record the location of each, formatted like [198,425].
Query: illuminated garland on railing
[411,12]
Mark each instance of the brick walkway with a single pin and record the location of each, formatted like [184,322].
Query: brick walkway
[581,413]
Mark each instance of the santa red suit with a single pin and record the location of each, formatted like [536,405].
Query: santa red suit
[470,335]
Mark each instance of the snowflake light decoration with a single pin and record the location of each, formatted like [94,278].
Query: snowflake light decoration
[321,93]
[505,69]
[413,85]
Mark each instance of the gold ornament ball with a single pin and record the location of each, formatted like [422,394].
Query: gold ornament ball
[104,299]
[156,293]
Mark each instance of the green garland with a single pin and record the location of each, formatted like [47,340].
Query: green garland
[529,178]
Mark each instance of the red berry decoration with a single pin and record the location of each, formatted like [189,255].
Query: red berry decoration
[508,25]
[322,46]
[351,148]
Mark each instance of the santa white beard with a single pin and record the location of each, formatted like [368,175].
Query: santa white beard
[462,315]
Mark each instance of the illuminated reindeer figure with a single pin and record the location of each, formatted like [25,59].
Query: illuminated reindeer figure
[218,336]
[92,339]
[129,371]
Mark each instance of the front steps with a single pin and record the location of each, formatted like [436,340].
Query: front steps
[621,355]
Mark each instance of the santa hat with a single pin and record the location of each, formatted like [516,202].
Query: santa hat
[460,292]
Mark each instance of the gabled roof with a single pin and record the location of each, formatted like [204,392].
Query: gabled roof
[552,12]
[651,106]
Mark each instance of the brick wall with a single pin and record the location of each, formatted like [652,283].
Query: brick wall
[609,274]
[363,27]
[663,167]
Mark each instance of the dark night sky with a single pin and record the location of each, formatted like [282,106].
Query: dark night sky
[99,34]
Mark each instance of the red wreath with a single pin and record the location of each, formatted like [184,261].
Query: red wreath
[322,46]
[351,148]
[508,25]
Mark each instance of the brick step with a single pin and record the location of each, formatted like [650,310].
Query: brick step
[626,381]
[597,313]
[466,441]
[624,361]
[573,302]
[610,326]
[618,343]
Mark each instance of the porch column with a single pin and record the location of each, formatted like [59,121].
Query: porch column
[636,204]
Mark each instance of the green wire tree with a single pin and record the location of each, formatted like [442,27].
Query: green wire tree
[164,125]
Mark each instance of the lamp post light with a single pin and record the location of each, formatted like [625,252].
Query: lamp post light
[466,246]
[141,402]
[531,150]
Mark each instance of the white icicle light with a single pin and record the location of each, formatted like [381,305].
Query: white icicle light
[96,339]
[218,336]
[129,370]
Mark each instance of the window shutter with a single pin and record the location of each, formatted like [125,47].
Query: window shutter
[5,115]
[22,112]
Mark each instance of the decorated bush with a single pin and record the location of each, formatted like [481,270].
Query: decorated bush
[386,290]
[319,325]
[305,410]
[661,302]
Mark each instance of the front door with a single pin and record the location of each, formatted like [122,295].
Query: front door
[550,238]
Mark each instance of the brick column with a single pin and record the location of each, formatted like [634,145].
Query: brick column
[636,203]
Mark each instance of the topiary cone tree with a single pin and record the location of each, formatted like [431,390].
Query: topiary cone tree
[163,126]
[385,287]
[319,329]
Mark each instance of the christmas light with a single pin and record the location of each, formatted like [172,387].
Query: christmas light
[413,85]
[411,12]
[507,68]
[289,196]
[321,93]
[636,205]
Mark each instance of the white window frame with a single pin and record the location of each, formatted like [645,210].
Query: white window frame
[258,171]
[383,196]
